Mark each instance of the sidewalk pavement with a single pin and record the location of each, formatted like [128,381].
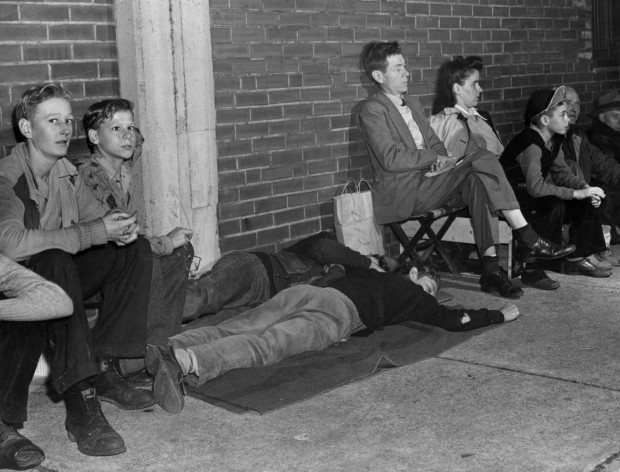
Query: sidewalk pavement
[540,394]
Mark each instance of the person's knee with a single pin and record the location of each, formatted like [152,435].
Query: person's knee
[53,265]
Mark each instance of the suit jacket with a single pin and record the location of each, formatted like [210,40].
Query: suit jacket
[397,162]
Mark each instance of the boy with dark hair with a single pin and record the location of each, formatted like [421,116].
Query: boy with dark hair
[413,173]
[308,318]
[52,224]
[116,144]
[548,191]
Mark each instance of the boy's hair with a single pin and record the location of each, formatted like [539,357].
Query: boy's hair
[375,55]
[423,269]
[98,112]
[34,96]
[456,71]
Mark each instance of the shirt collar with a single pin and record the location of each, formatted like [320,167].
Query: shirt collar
[471,112]
[397,101]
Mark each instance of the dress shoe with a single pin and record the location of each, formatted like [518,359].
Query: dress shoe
[537,278]
[584,267]
[16,451]
[607,255]
[87,426]
[498,282]
[545,250]
[168,384]
[139,379]
[599,260]
[113,388]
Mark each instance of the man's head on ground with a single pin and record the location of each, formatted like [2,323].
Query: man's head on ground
[45,118]
[607,110]
[573,105]
[386,66]
[547,110]
[422,274]
[458,83]
[110,128]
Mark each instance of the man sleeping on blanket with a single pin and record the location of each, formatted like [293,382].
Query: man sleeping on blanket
[307,318]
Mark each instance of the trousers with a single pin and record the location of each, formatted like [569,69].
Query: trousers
[480,184]
[298,319]
[123,275]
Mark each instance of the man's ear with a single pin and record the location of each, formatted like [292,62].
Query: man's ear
[93,136]
[378,76]
[413,274]
[25,128]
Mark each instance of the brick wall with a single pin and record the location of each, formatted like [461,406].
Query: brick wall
[71,42]
[288,82]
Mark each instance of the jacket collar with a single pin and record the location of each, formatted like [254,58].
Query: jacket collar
[398,120]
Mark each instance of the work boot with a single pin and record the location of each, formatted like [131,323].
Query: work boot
[16,451]
[544,250]
[140,379]
[113,387]
[499,283]
[87,426]
[168,386]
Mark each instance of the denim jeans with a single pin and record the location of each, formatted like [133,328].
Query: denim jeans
[299,319]
[237,279]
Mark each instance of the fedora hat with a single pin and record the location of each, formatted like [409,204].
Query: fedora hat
[606,102]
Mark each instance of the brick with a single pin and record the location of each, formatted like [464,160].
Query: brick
[232,116]
[234,148]
[251,129]
[305,228]
[105,32]
[271,204]
[284,127]
[417,8]
[44,12]
[94,51]
[284,96]
[298,50]
[23,32]
[249,67]
[255,192]
[271,235]
[268,143]
[245,5]
[46,52]
[265,50]
[231,50]
[281,34]
[75,70]
[251,99]
[339,34]
[229,227]
[24,73]
[224,132]
[93,13]
[9,12]
[10,53]
[266,113]
[272,81]
[102,88]
[247,34]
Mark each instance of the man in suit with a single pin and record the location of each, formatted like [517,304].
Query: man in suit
[413,173]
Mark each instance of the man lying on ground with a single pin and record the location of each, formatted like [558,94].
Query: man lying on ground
[241,280]
[307,318]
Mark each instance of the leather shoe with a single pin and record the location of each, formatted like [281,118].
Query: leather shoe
[606,258]
[113,388]
[16,451]
[498,282]
[139,379]
[168,384]
[88,427]
[584,267]
[545,250]
[537,278]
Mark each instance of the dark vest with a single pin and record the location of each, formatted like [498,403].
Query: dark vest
[519,144]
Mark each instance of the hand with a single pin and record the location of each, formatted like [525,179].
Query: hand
[374,264]
[443,164]
[121,227]
[510,312]
[595,193]
[180,236]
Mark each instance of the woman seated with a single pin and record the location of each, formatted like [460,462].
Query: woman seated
[464,129]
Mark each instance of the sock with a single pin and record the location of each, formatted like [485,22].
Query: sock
[525,235]
[490,264]
[184,359]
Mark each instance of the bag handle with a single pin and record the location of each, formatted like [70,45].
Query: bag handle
[349,182]
[364,181]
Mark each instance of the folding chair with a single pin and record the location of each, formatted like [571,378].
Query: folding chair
[422,244]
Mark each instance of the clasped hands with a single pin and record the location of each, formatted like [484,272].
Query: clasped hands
[441,165]
[122,228]
[595,194]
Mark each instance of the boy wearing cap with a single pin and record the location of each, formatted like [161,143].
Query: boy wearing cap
[550,194]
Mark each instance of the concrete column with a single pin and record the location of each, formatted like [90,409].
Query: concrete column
[165,68]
